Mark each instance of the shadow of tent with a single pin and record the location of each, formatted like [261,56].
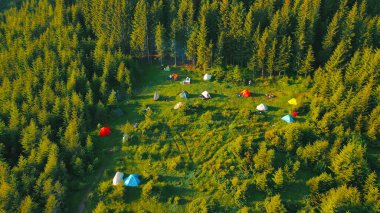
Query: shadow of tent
[218,95]
[273,108]
[132,194]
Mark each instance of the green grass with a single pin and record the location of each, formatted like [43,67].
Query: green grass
[114,156]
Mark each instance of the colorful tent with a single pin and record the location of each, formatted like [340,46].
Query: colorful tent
[245,93]
[184,94]
[156,96]
[186,81]
[167,68]
[206,95]
[294,114]
[132,180]
[118,178]
[104,131]
[262,107]
[175,76]
[288,119]
[178,105]
[292,101]
[207,77]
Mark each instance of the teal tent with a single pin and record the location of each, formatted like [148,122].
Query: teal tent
[288,119]
[132,180]
[184,94]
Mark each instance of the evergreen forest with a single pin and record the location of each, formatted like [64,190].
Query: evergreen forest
[68,68]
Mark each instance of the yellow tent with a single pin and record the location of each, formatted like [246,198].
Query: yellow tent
[292,101]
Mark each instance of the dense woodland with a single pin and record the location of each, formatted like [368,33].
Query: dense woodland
[61,63]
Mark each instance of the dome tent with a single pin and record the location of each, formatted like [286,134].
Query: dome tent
[132,180]
[118,178]
[206,95]
[288,119]
[262,107]
[207,77]
[292,101]
[104,131]
[245,93]
[184,94]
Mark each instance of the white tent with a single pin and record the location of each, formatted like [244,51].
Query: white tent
[206,95]
[178,105]
[207,77]
[262,107]
[156,96]
[118,178]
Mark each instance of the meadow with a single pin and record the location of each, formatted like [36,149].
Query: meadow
[195,151]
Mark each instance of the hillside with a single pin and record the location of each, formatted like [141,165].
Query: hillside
[70,69]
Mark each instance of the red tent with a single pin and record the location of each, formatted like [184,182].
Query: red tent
[294,114]
[245,93]
[104,131]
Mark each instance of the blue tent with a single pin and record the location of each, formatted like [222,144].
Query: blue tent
[132,180]
[288,119]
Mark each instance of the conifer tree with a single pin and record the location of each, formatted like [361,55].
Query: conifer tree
[307,64]
[159,41]
[139,29]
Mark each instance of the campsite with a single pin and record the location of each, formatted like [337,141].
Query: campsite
[174,158]
[189,106]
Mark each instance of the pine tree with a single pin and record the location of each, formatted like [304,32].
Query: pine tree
[271,58]
[191,46]
[274,204]
[112,100]
[159,41]
[27,205]
[330,38]
[278,178]
[349,165]
[139,29]
[262,52]
[202,44]
[307,64]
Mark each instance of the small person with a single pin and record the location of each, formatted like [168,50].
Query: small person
[249,82]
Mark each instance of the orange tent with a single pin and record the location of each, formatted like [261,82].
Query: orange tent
[104,131]
[245,93]
[175,76]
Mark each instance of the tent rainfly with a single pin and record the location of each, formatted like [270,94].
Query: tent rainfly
[206,95]
[292,101]
[207,77]
[118,178]
[178,105]
[156,96]
[132,180]
[288,119]
[262,107]
[184,94]
[245,93]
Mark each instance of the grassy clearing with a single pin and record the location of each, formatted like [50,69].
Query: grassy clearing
[182,156]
